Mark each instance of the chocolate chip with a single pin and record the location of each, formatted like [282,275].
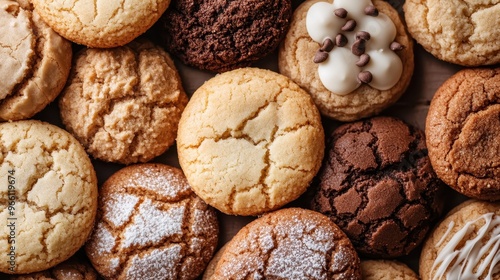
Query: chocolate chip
[371,11]
[395,46]
[365,77]
[363,60]
[341,13]
[320,56]
[358,48]
[363,35]
[349,25]
[327,45]
[340,40]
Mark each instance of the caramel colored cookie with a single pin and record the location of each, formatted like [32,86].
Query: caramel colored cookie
[219,35]
[35,62]
[250,141]
[378,185]
[462,130]
[351,68]
[49,195]
[386,270]
[464,245]
[123,104]
[290,243]
[460,32]
[151,226]
[98,24]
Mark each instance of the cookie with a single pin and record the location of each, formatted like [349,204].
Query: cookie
[50,196]
[386,270]
[101,25]
[290,243]
[355,58]
[378,185]
[460,32]
[462,130]
[123,104]
[35,62]
[250,141]
[219,36]
[151,226]
[464,245]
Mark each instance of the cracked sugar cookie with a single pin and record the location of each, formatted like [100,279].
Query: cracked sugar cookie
[462,128]
[461,32]
[123,104]
[290,243]
[100,24]
[151,225]
[250,141]
[49,196]
[35,62]
[355,58]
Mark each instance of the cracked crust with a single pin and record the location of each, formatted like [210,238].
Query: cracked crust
[56,194]
[462,130]
[386,270]
[295,60]
[290,243]
[35,62]
[463,32]
[151,225]
[378,185]
[123,104]
[100,24]
[250,141]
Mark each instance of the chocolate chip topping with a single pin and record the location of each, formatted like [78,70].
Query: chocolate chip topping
[320,56]
[365,77]
[395,46]
[340,40]
[341,12]
[349,25]
[358,48]
[363,35]
[363,60]
[371,11]
[327,45]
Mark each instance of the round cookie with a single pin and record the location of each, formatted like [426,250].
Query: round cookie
[101,24]
[356,75]
[464,245]
[290,243]
[462,130]
[35,62]
[386,270]
[220,36]
[123,104]
[49,196]
[250,141]
[151,226]
[460,32]
[378,185]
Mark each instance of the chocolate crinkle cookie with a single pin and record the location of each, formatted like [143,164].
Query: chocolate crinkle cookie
[378,185]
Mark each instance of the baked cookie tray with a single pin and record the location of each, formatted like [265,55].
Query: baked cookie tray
[412,107]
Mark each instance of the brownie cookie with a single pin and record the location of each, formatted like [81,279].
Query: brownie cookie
[250,141]
[463,129]
[378,185]
[355,58]
[290,243]
[123,104]
[219,35]
[460,32]
[151,225]
[464,245]
[386,270]
[35,61]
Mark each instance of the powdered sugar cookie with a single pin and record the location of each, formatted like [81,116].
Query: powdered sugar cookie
[151,226]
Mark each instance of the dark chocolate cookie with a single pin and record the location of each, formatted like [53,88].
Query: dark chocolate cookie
[221,35]
[378,185]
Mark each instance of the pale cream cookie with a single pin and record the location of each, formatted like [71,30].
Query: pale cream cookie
[386,270]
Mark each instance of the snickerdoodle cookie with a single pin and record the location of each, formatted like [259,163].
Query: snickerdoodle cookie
[49,194]
[386,270]
[123,104]
[250,141]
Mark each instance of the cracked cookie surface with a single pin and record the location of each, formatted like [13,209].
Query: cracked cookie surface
[123,104]
[378,185]
[151,225]
[54,195]
[250,141]
[462,130]
[462,32]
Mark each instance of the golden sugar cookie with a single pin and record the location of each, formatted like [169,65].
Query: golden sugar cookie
[386,270]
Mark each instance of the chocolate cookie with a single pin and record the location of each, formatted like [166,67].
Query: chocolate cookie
[220,35]
[378,185]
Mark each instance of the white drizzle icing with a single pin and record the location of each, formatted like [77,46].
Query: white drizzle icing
[476,257]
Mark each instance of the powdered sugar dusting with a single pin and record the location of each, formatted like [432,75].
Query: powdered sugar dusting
[103,239]
[119,207]
[167,184]
[158,264]
[114,264]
